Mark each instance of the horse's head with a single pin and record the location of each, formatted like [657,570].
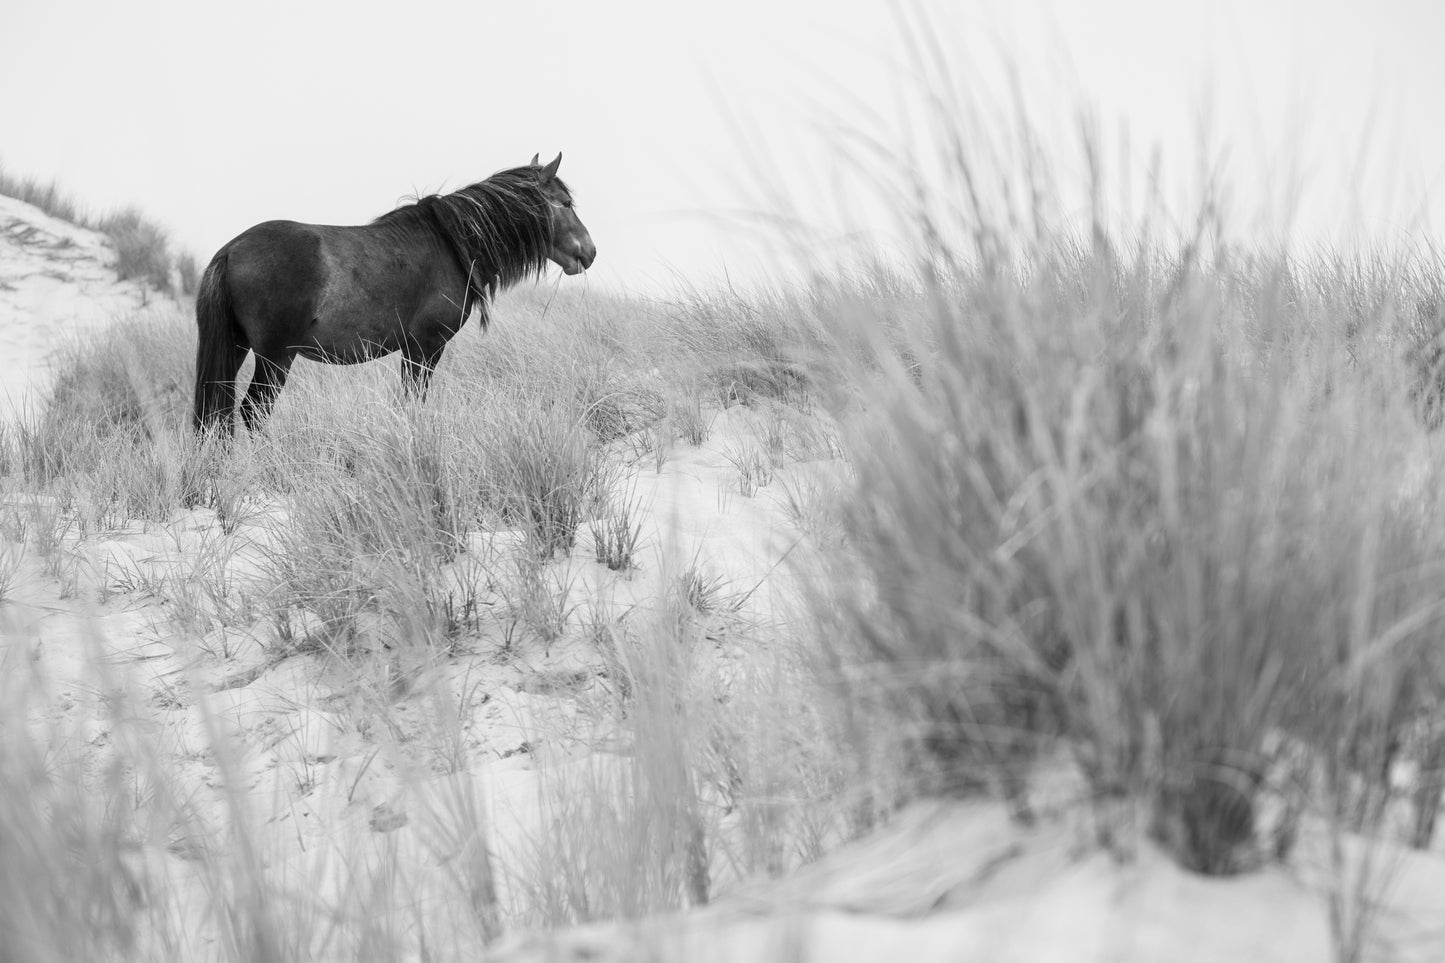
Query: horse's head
[572,247]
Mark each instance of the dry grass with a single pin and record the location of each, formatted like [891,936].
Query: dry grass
[142,247]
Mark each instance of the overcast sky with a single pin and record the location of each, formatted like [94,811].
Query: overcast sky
[674,116]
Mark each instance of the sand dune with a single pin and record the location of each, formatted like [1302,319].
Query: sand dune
[56,282]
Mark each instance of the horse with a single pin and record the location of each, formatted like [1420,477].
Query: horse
[406,282]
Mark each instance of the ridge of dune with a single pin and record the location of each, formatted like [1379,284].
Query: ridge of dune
[57,281]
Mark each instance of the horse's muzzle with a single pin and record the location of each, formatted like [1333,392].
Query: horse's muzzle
[579,259]
[587,254]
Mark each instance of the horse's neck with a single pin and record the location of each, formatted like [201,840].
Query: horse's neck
[429,233]
[423,249]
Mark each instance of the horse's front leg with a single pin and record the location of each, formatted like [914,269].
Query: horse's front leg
[418,362]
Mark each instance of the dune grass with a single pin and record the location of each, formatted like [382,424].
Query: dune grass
[1159,526]
[45,195]
[142,247]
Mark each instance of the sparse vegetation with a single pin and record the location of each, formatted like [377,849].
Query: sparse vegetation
[45,195]
[142,247]
[754,468]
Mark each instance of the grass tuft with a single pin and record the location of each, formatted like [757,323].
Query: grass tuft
[142,247]
[617,533]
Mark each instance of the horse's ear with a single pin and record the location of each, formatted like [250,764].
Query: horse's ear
[536,159]
[550,171]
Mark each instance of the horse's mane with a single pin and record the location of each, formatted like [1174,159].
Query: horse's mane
[500,229]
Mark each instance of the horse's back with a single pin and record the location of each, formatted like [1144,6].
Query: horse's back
[305,253]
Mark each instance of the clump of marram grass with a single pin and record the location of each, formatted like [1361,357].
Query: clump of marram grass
[537,599]
[374,515]
[114,417]
[688,419]
[615,405]
[1146,510]
[381,516]
[545,475]
[617,531]
[753,467]
[45,195]
[142,249]
[1128,524]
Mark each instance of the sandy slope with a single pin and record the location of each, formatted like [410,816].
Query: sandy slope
[55,282]
[959,882]
[329,785]
[333,784]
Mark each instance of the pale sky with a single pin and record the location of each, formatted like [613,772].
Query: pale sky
[675,116]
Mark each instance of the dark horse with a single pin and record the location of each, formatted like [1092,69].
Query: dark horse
[405,282]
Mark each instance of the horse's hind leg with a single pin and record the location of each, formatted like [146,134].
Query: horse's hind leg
[215,399]
[266,383]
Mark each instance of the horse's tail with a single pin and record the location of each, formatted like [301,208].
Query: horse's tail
[220,349]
